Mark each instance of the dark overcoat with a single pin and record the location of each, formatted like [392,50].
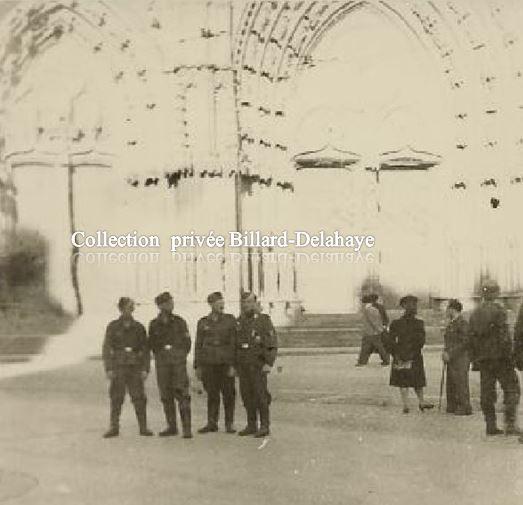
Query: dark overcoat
[405,341]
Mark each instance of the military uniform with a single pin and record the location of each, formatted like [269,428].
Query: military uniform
[170,342]
[456,346]
[491,349]
[518,340]
[214,355]
[126,354]
[256,346]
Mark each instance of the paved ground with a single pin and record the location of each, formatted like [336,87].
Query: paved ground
[338,438]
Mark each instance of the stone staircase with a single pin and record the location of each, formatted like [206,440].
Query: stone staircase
[344,330]
[21,348]
[312,331]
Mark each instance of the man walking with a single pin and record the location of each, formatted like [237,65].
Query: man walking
[126,360]
[170,342]
[373,328]
[256,349]
[213,361]
[491,348]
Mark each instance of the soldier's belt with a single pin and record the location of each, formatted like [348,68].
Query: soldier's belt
[170,348]
[126,350]
[214,343]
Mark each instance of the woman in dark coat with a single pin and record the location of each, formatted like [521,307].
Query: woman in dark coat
[405,341]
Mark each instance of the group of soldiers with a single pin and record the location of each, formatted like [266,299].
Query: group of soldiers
[225,347]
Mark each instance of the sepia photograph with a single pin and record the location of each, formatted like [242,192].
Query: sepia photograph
[261,252]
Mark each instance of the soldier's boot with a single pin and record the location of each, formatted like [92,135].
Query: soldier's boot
[492,428]
[213,410]
[170,416]
[114,429]
[185,416]
[251,428]
[141,416]
[228,407]
[264,422]
[511,427]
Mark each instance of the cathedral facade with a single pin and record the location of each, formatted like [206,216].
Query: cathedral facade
[397,119]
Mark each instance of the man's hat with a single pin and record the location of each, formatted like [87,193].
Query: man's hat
[163,297]
[213,297]
[247,294]
[455,304]
[369,298]
[408,299]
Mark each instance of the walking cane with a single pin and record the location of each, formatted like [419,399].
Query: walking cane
[442,383]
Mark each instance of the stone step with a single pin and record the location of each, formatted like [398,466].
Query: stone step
[336,337]
[22,345]
[430,317]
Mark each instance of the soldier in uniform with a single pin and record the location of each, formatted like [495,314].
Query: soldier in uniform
[126,360]
[213,361]
[491,350]
[518,346]
[256,349]
[456,357]
[170,342]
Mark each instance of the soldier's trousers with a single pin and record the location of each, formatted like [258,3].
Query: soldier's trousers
[368,344]
[215,382]
[173,384]
[458,394]
[127,379]
[255,395]
[502,371]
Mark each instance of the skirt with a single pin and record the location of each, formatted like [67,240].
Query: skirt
[413,377]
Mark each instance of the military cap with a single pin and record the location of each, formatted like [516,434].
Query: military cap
[489,286]
[213,297]
[163,297]
[124,301]
[408,299]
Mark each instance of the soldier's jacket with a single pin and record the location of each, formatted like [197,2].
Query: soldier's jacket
[457,337]
[170,341]
[125,346]
[488,332]
[518,339]
[256,340]
[215,340]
